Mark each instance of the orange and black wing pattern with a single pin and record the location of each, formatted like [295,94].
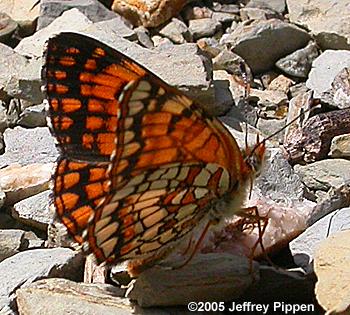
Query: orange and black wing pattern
[140,163]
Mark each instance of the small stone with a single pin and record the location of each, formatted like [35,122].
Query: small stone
[257,14]
[25,13]
[148,13]
[203,27]
[224,17]
[303,247]
[281,83]
[31,265]
[144,37]
[275,5]
[11,242]
[324,174]
[34,211]
[68,297]
[232,63]
[196,13]
[176,31]
[331,268]
[270,126]
[52,9]
[20,182]
[298,64]
[34,116]
[339,93]
[340,147]
[269,98]
[26,146]
[253,42]
[209,45]
[7,27]
[325,68]
[226,8]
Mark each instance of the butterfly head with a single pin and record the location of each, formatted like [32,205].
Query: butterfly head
[254,157]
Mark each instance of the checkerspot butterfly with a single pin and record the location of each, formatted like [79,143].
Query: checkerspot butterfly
[141,164]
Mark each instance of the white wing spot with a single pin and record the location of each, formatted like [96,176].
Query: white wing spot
[202,178]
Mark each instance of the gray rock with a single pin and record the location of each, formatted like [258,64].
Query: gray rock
[7,27]
[26,267]
[339,93]
[26,146]
[224,278]
[257,14]
[68,297]
[269,98]
[303,247]
[223,94]
[203,27]
[298,64]
[34,116]
[34,211]
[23,81]
[11,67]
[210,46]
[72,20]
[226,8]
[143,37]
[325,68]
[280,83]
[340,147]
[170,64]
[278,181]
[117,25]
[275,5]
[328,21]
[254,42]
[20,182]
[270,126]
[32,241]
[25,13]
[224,18]
[230,62]
[277,284]
[176,31]
[94,10]
[322,175]
[161,43]
[11,242]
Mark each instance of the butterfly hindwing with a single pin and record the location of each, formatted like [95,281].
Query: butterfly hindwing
[159,152]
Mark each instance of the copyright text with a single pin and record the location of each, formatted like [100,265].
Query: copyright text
[275,307]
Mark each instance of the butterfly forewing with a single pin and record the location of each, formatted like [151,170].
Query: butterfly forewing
[158,161]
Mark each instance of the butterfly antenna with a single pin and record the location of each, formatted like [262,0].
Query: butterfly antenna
[34,5]
[246,83]
[313,104]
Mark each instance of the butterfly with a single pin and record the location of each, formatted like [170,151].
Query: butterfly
[141,165]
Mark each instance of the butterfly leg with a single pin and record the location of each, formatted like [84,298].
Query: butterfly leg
[188,247]
[252,217]
[199,242]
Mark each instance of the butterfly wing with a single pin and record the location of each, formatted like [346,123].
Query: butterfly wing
[140,162]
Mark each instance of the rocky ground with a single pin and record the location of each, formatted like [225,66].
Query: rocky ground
[261,62]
